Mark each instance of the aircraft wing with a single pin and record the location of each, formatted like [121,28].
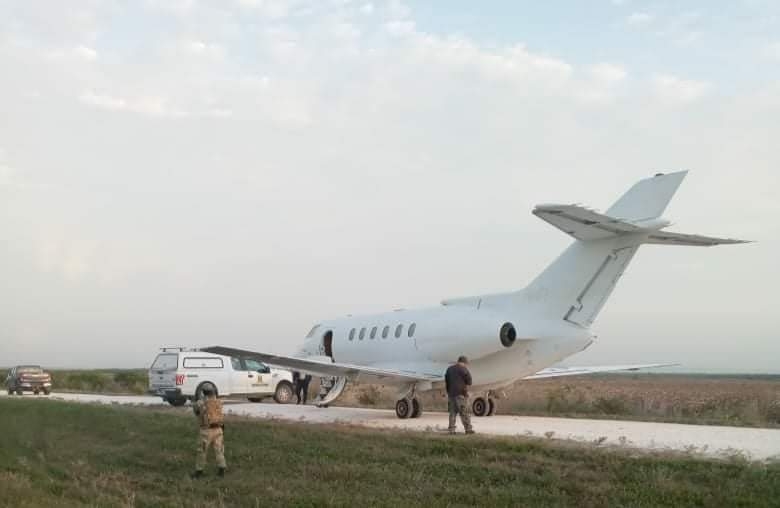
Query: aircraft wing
[324,368]
[576,371]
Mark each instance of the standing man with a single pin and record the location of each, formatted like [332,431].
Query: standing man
[302,388]
[458,380]
[296,380]
[208,410]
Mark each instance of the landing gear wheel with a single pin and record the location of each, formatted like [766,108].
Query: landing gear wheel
[492,407]
[403,408]
[479,407]
[416,408]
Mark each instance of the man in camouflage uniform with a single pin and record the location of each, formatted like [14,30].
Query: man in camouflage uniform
[458,380]
[211,435]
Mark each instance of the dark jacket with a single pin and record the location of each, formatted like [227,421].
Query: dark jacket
[457,379]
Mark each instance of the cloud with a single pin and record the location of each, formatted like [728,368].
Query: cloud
[252,165]
[640,19]
[79,53]
[772,50]
[609,74]
[674,89]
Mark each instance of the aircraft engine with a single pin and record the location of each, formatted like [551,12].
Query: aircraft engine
[474,334]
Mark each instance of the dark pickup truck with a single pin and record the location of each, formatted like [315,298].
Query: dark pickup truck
[28,378]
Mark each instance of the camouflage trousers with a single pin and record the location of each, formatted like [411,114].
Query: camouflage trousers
[210,437]
[459,406]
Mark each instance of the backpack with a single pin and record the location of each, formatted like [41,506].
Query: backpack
[213,412]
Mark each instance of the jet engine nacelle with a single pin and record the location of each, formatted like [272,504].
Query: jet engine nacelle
[471,332]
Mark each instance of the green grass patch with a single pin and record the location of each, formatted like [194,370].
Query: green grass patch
[62,454]
[118,381]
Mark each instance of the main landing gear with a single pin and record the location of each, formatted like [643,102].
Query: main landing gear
[484,406]
[408,407]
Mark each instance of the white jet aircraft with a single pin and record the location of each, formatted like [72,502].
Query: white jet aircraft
[507,336]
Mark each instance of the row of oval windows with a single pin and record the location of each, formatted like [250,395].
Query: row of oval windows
[399,330]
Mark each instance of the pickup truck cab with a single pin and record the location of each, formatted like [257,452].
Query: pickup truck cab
[178,375]
[28,378]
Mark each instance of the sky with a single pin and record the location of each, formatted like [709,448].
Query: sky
[193,172]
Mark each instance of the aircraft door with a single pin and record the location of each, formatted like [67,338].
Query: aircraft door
[327,343]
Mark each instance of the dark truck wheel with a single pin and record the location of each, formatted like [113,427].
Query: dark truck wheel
[46,391]
[177,401]
[284,392]
[19,392]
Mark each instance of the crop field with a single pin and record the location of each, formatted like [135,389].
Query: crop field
[62,454]
[685,398]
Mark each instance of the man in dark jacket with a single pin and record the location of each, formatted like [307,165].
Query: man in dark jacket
[302,388]
[458,379]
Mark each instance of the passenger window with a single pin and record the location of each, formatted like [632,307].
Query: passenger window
[362,333]
[385,331]
[236,363]
[373,332]
[398,330]
[352,334]
[412,328]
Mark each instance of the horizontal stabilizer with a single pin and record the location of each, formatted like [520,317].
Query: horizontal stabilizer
[323,368]
[576,371]
[667,238]
[583,223]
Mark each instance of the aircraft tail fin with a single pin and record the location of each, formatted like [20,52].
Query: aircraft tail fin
[578,283]
[647,199]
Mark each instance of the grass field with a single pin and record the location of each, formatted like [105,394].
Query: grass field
[60,454]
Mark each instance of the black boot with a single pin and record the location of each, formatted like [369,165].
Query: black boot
[197,474]
[221,472]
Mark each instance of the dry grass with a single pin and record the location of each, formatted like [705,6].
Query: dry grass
[712,399]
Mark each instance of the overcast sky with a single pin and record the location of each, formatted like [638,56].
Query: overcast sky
[197,172]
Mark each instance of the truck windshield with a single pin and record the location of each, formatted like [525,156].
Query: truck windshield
[29,369]
[166,361]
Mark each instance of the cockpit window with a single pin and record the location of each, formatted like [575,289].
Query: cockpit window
[311,332]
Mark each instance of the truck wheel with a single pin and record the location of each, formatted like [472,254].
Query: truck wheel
[19,392]
[46,391]
[10,392]
[199,390]
[283,393]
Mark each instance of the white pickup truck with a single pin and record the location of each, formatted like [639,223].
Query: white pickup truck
[178,375]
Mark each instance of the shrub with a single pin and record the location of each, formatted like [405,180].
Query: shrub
[369,396]
[773,412]
[611,405]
